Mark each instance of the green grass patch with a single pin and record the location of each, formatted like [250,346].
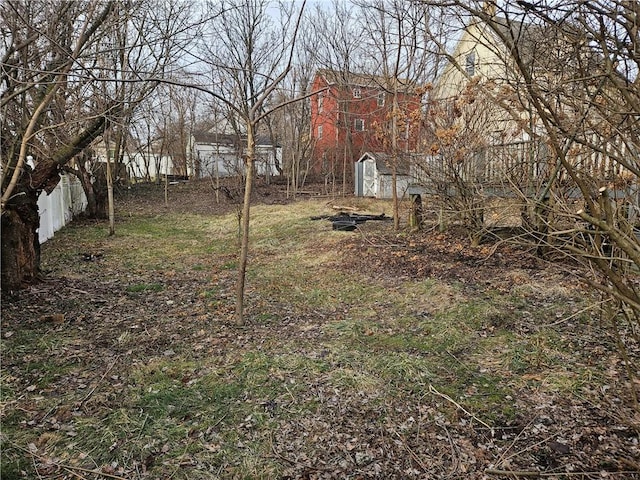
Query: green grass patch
[145,287]
[340,354]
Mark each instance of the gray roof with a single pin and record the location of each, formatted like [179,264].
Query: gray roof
[546,45]
[383,160]
[213,138]
[337,77]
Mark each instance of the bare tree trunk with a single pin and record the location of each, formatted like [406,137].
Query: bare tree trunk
[394,159]
[20,243]
[244,241]
[109,176]
[93,190]
[20,219]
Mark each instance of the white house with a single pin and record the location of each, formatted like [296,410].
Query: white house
[141,164]
[216,154]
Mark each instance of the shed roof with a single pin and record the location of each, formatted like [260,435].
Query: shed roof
[383,160]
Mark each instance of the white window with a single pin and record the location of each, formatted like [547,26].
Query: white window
[358,125]
[381,99]
[470,64]
[320,101]
[319,131]
[357,93]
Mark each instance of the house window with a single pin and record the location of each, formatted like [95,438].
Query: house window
[357,93]
[470,64]
[319,131]
[320,101]
[381,99]
[358,125]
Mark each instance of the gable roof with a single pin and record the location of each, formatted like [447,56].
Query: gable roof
[351,79]
[542,44]
[213,138]
[543,48]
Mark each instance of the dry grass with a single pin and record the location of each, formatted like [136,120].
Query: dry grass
[340,373]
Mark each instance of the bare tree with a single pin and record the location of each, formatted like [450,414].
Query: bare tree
[293,121]
[67,75]
[43,68]
[398,33]
[178,118]
[571,76]
[335,46]
[294,124]
[252,54]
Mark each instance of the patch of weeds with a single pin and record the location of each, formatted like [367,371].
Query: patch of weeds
[145,287]
[229,265]
[443,337]
[473,314]
[520,359]
[13,462]
[355,377]
[171,399]
[264,318]
[408,342]
[405,371]
[22,341]
[44,372]
[210,293]
[534,353]
[160,370]
[483,395]
[41,362]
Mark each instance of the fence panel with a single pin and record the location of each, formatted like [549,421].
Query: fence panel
[58,208]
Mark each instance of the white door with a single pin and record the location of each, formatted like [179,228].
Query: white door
[368,178]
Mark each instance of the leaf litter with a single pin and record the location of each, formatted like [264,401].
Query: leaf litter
[132,371]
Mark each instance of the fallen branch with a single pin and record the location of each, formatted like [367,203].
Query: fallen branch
[534,474]
[432,389]
[69,468]
[339,207]
[88,395]
[514,473]
[411,452]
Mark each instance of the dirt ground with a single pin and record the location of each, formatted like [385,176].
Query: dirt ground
[598,440]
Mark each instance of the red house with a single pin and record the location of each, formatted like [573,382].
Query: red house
[352,115]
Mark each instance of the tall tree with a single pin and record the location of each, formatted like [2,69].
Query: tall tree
[251,51]
[398,33]
[336,46]
[46,49]
[293,121]
[68,71]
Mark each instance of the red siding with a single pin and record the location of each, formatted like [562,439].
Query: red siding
[336,114]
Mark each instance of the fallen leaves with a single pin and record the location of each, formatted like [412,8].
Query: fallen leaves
[158,383]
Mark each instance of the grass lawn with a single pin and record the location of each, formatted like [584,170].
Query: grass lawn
[367,354]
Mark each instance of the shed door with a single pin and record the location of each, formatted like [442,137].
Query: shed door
[368,179]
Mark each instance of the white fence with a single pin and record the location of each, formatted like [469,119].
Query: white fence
[58,208]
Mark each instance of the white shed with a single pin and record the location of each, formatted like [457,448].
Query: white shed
[373,177]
